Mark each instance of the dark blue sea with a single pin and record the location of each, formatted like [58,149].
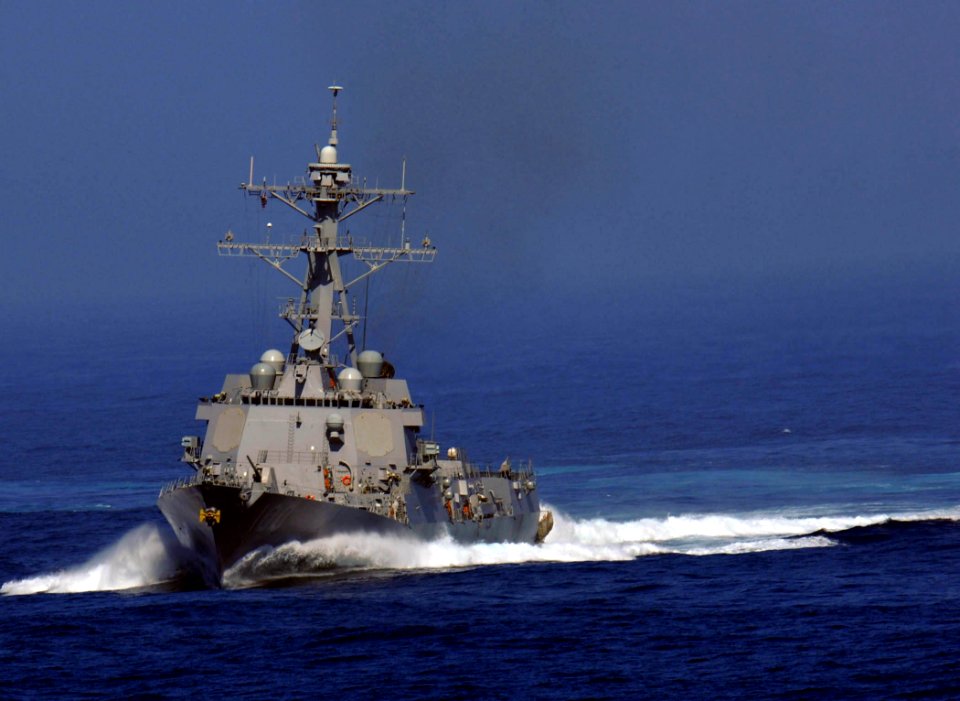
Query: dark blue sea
[756,484]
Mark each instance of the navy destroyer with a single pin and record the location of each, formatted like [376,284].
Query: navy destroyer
[324,439]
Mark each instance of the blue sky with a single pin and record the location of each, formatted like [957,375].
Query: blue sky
[604,148]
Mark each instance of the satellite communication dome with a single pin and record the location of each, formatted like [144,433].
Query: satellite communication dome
[274,358]
[369,363]
[334,427]
[350,380]
[262,376]
[328,155]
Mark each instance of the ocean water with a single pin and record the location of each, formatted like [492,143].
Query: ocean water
[757,494]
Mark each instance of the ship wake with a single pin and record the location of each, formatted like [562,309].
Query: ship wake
[149,557]
[572,540]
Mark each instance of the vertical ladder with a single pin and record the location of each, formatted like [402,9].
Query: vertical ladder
[291,432]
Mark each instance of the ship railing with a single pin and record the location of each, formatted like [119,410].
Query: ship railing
[261,397]
[407,252]
[362,249]
[190,481]
[228,479]
[292,246]
[521,475]
[523,471]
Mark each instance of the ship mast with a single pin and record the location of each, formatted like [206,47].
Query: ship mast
[327,197]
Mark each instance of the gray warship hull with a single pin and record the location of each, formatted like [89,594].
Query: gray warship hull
[242,525]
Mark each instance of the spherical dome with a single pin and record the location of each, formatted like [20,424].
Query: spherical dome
[328,154]
[262,376]
[335,422]
[369,363]
[350,379]
[274,358]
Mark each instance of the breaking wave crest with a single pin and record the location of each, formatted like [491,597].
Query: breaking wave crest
[149,555]
[143,557]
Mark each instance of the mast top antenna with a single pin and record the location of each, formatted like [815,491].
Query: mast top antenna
[335,89]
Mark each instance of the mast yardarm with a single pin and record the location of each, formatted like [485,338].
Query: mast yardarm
[327,196]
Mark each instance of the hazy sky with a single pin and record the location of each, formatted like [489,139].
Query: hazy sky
[553,145]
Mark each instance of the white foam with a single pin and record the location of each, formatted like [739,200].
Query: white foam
[369,551]
[149,555]
[757,546]
[675,529]
[572,540]
[142,557]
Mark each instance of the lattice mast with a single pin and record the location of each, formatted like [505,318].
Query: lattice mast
[323,298]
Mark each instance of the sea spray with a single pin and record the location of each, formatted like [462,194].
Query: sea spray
[145,556]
